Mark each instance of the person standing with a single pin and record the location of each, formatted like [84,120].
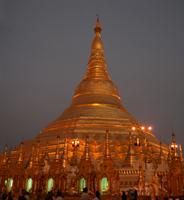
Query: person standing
[58,195]
[10,196]
[85,195]
[22,195]
[97,196]
[124,197]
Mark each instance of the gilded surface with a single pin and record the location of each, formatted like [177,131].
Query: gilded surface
[93,139]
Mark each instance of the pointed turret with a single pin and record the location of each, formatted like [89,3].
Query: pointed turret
[65,154]
[31,160]
[141,181]
[87,149]
[96,86]
[57,149]
[107,149]
[181,153]
[97,67]
[37,156]
[161,156]
[174,146]
[5,154]
[20,158]
[130,153]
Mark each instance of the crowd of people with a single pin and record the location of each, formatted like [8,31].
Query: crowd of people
[24,195]
[39,195]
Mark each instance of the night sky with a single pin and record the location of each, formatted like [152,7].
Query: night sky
[44,50]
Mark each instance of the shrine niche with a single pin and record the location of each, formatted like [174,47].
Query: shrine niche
[29,184]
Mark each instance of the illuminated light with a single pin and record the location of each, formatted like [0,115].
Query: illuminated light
[174,146]
[82,184]
[149,128]
[133,128]
[104,184]
[50,184]
[142,127]
[9,184]
[29,184]
[75,143]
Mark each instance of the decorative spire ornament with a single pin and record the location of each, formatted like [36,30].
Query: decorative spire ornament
[130,150]
[107,148]
[65,153]
[5,154]
[20,158]
[57,148]
[37,152]
[87,148]
[181,152]
[32,156]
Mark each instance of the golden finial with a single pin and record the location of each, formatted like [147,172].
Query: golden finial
[107,151]
[87,148]
[173,137]
[98,27]
[174,146]
[161,151]
[57,148]
[65,153]
[5,153]
[181,153]
[46,155]
[130,149]
[20,159]
[37,151]
[32,156]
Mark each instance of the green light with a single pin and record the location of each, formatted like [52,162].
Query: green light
[29,184]
[104,184]
[9,184]
[50,184]
[82,184]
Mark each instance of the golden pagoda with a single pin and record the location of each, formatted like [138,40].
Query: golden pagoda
[96,105]
[95,142]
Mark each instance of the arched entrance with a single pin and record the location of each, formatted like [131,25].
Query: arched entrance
[104,185]
[29,184]
[50,184]
[82,184]
[9,184]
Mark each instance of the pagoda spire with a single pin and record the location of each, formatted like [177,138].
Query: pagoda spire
[97,87]
[97,67]
[174,146]
[129,159]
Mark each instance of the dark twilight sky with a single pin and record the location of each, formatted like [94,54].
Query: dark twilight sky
[44,49]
